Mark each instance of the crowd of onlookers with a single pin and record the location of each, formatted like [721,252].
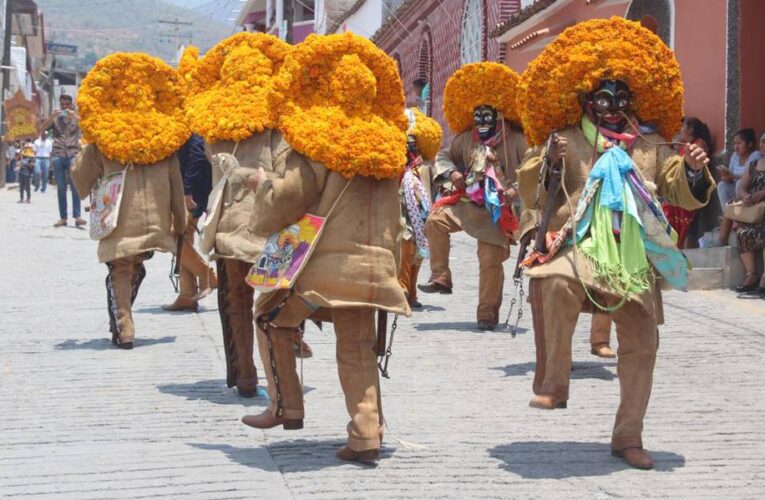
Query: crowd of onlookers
[48,160]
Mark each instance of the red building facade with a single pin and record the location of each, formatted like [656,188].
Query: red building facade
[431,39]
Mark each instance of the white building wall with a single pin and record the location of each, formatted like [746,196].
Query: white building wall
[364,21]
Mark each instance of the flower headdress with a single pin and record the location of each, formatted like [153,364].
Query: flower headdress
[476,84]
[426,131]
[592,51]
[131,107]
[228,87]
[339,100]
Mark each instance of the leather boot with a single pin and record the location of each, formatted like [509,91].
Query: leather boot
[366,457]
[267,420]
[545,402]
[235,300]
[635,457]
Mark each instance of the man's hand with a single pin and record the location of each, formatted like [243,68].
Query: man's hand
[458,180]
[696,158]
[510,195]
[191,205]
[256,179]
[558,149]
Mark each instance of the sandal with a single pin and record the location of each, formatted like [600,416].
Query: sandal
[749,284]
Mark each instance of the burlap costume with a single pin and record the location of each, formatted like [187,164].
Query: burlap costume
[493,244]
[152,213]
[344,150]
[235,248]
[228,106]
[351,273]
[556,292]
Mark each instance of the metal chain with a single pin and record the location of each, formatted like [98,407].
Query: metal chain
[279,405]
[383,363]
[512,301]
[521,294]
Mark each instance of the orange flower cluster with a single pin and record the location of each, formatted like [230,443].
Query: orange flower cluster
[427,133]
[588,53]
[228,87]
[339,100]
[131,107]
[476,84]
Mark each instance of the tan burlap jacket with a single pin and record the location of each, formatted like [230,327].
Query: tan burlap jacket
[234,238]
[152,209]
[354,263]
[476,220]
[659,165]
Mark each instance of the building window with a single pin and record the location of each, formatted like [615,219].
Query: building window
[471,44]
[388,6]
[656,15]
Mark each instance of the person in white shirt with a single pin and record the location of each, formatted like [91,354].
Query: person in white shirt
[43,146]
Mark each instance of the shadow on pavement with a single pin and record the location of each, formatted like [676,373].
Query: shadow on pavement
[105,343]
[294,455]
[585,369]
[214,391]
[462,326]
[428,308]
[564,459]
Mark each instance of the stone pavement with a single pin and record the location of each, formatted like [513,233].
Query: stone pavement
[80,419]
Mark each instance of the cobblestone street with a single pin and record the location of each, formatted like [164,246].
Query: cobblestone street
[80,419]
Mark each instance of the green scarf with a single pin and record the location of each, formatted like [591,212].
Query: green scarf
[622,265]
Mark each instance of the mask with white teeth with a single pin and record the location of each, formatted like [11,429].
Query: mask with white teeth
[485,121]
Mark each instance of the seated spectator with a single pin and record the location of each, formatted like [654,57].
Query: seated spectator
[751,237]
[744,152]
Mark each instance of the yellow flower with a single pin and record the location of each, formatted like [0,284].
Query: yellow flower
[339,100]
[589,52]
[427,133]
[476,84]
[131,107]
[228,87]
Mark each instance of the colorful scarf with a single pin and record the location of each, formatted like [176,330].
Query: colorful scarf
[643,229]
[417,204]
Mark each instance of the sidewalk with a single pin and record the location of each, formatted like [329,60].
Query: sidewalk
[80,419]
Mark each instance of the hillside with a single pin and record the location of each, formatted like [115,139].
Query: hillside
[99,27]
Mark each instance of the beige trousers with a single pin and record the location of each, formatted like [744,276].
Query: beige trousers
[194,270]
[356,367]
[600,330]
[491,274]
[122,284]
[235,299]
[556,304]
[409,269]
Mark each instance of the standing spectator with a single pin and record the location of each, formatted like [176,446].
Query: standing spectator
[10,162]
[751,237]
[693,131]
[66,145]
[43,148]
[25,168]
[744,152]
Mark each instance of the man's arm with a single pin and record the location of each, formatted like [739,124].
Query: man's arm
[678,187]
[448,167]
[86,170]
[49,122]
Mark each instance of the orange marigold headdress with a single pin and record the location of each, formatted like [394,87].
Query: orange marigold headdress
[131,107]
[228,87]
[592,51]
[476,84]
[426,131]
[339,100]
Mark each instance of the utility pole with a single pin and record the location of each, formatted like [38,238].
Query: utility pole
[289,16]
[173,33]
[6,72]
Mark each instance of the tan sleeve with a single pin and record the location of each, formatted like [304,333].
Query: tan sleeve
[87,169]
[672,183]
[287,195]
[528,178]
[177,202]
[449,159]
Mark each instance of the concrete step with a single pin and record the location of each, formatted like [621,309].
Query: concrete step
[706,278]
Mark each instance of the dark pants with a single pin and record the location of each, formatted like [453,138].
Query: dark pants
[25,179]
[62,166]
